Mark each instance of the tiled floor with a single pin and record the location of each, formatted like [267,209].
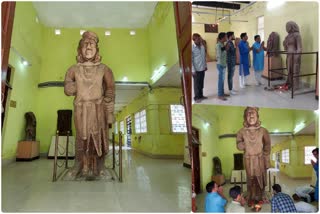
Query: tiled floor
[149,185]
[255,95]
[288,186]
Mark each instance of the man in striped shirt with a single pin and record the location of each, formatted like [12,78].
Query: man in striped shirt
[199,66]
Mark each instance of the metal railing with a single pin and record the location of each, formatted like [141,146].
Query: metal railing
[55,162]
[116,158]
[117,162]
[292,76]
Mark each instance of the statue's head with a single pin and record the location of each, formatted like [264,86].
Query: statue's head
[251,117]
[88,49]
[292,27]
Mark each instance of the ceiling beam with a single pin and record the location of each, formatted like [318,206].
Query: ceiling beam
[217,4]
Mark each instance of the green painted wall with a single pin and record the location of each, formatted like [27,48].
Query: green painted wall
[159,139]
[162,38]
[198,27]
[296,167]
[51,55]
[228,120]
[26,39]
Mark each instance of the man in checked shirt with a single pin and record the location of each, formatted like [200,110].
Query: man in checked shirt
[280,202]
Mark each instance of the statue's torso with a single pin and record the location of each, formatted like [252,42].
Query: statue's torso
[89,81]
[253,139]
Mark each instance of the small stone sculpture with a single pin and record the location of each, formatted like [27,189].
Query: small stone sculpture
[254,140]
[93,86]
[293,44]
[217,169]
[273,43]
[31,125]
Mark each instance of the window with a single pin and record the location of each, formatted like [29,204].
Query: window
[122,127]
[178,119]
[274,156]
[285,156]
[140,122]
[260,30]
[116,127]
[308,156]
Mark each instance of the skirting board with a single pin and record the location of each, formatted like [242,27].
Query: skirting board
[27,159]
[160,156]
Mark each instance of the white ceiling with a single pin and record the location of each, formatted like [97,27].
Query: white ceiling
[125,94]
[95,14]
[172,78]
[308,130]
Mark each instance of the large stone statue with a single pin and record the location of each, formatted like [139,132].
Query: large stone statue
[293,44]
[31,126]
[254,140]
[92,84]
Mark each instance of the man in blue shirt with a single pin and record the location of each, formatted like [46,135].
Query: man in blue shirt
[199,66]
[244,60]
[215,200]
[258,58]
[315,165]
[281,202]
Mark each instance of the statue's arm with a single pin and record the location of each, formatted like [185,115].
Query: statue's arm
[109,95]
[285,46]
[70,88]
[240,141]
[266,148]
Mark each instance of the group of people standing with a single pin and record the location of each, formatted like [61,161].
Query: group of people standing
[226,59]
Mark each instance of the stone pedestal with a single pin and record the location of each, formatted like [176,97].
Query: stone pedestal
[219,179]
[28,150]
[275,62]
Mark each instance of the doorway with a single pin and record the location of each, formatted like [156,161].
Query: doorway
[196,159]
[129,131]
[5,86]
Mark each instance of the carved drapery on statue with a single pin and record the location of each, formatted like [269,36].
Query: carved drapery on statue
[293,44]
[92,84]
[254,140]
[31,126]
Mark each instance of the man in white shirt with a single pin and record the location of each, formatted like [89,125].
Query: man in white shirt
[303,207]
[236,205]
[306,193]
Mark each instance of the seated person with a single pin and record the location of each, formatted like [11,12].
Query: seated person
[306,193]
[281,202]
[215,200]
[303,207]
[236,205]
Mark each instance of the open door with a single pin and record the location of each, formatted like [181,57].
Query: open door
[182,11]
[7,16]
[196,159]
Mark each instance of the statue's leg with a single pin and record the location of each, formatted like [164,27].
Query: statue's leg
[290,69]
[249,189]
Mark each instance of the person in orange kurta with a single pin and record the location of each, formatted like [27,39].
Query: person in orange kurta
[92,84]
[254,140]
